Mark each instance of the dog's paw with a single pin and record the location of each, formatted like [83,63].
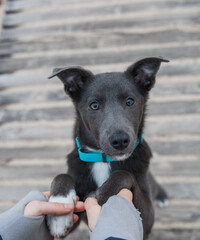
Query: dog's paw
[102,195]
[162,203]
[60,226]
[162,198]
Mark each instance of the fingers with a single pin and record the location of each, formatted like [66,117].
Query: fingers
[38,208]
[89,202]
[55,208]
[93,211]
[79,207]
[75,218]
[127,194]
[47,195]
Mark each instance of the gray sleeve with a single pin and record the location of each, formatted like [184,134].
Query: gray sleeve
[15,226]
[118,219]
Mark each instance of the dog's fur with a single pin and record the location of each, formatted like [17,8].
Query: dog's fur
[110,114]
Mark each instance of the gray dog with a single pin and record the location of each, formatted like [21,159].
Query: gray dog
[110,152]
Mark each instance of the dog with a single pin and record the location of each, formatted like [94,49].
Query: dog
[110,152]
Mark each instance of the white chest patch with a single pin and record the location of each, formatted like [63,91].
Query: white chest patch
[100,172]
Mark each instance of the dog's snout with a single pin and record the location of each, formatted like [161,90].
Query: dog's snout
[119,140]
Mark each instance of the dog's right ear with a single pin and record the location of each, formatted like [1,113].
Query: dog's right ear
[144,71]
[73,78]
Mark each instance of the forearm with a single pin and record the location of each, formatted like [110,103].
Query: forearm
[118,219]
[15,226]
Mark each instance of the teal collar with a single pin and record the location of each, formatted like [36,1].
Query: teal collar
[90,156]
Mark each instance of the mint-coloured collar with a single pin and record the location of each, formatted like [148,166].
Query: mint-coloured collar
[90,156]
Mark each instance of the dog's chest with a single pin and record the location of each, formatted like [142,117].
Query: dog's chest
[100,172]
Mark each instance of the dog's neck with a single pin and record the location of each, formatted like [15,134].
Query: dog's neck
[94,156]
[91,156]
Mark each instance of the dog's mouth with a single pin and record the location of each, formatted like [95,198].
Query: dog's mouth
[121,156]
[117,157]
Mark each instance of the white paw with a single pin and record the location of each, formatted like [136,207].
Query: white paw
[163,203]
[60,225]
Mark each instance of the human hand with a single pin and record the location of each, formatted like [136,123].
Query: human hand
[37,208]
[93,209]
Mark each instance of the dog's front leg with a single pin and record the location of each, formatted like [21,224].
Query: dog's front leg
[62,191]
[116,182]
[123,179]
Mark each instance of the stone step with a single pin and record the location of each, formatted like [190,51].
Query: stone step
[85,10]
[38,152]
[46,5]
[110,13]
[59,148]
[175,144]
[49,92]
[110,49]
[183,107]
[160,169]
[160,160]
[64,110]
[180,18]
[175,190]
[175,214]
[11,64]
[62,34]
[181,67]
[23,173]
[171,234]
[14,193]
[175,168]
[155,125]
[95,40]
[23,5]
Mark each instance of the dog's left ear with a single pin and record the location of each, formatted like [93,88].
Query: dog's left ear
[144,72]
[73,78]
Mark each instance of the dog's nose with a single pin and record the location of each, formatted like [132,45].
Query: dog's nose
[120,140]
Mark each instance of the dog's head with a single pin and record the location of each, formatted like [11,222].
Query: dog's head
[110,106]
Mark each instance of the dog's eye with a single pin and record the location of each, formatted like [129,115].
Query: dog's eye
[130,101]
[94,106]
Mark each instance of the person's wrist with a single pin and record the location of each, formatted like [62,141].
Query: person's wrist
[93,210]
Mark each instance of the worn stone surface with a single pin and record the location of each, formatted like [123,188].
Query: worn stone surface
[36,117]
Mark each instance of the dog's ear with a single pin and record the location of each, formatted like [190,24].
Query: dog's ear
[73,78]
[144,72]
